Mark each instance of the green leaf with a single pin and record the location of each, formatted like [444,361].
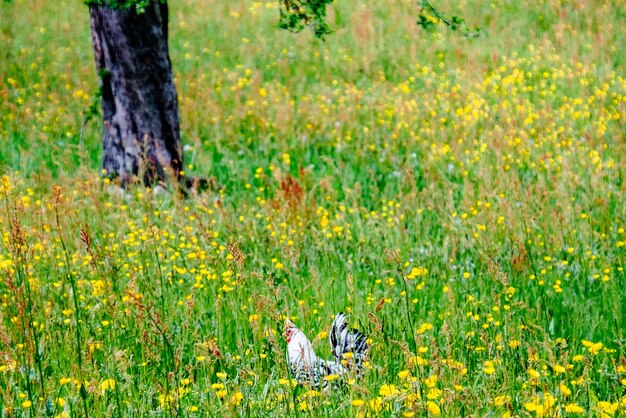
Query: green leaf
[425,22]
[295,15]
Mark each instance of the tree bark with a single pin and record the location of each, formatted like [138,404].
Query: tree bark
[141,134]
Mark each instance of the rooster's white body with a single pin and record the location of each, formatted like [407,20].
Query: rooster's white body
[300,349]
[308,368]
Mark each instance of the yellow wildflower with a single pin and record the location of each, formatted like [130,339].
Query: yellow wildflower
[488,367]
[573,408]
[433,408]
[236,398]
[388,390]
[107,384]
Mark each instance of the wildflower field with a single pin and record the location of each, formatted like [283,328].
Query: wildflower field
[463,201]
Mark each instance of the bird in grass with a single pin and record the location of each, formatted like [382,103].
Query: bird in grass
[348,346]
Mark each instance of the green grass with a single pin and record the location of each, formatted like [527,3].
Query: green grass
[497,165]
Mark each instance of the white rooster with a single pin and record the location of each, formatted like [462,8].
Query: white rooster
[349,348]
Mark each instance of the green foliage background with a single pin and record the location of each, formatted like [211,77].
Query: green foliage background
[496,164]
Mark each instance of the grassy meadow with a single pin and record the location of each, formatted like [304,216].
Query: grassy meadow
[463,200]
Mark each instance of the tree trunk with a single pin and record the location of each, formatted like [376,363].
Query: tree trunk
[141,135]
